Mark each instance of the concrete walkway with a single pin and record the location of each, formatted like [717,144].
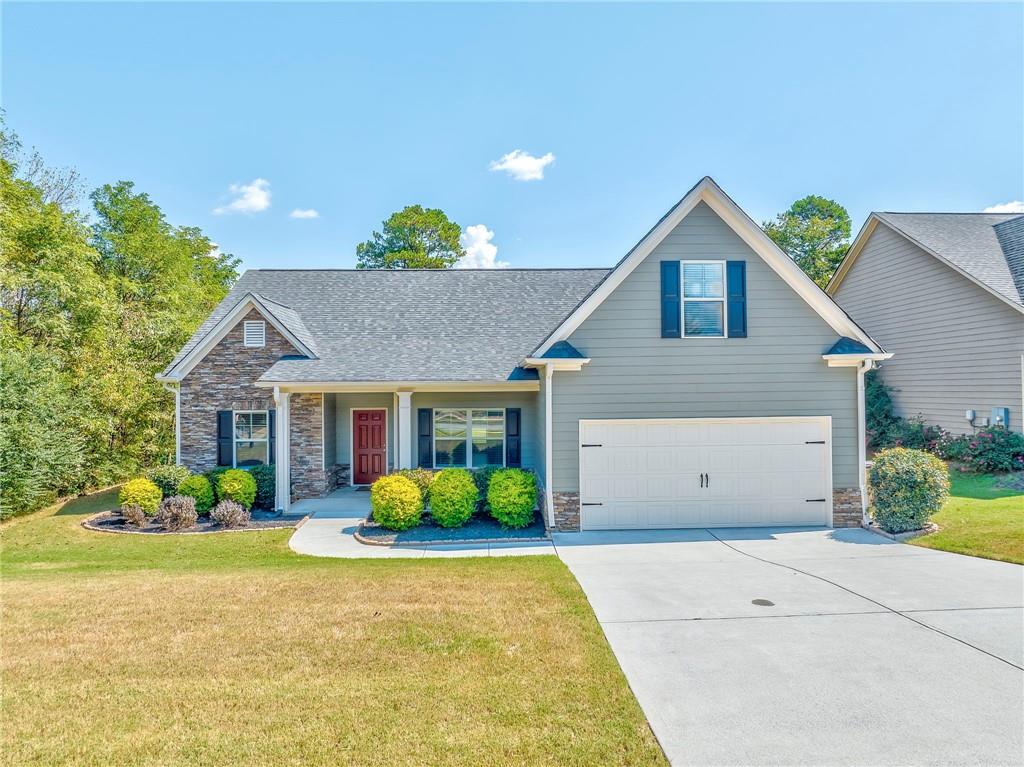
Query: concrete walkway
[329,533]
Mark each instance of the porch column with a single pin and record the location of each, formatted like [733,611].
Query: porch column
[282,450]
[404,429]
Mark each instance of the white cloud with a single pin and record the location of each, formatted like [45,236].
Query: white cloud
[249,198]
[1017,206]
[523,166]
[481,253]
[304,213]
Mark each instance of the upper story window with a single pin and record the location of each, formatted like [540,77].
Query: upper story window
[255,333]
[703,294]
[469,438]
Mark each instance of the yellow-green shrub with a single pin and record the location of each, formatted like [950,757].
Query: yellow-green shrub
[512,496]
[396,502]
[453,497]
[237,485]
[198,487]
[141,492]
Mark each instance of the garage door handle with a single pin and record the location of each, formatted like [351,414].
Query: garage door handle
[591,504]
[590,445]
[707,480]
[815,442]
[815,500]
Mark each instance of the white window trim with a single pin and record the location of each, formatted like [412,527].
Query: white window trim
[469,436]
[235,440]
[262,325]
[683,299]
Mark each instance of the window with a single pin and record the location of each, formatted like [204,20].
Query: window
[255,333]
[252,438]
[703,299]
[469,438]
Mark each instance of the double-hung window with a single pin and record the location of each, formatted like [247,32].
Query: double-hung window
[703,296]
[252,438]
[470,438]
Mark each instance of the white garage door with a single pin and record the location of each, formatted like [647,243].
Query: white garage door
[725,472]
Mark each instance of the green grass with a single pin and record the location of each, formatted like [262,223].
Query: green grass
[230,649]
[980,519]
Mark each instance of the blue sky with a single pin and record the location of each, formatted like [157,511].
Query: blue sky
[357,110]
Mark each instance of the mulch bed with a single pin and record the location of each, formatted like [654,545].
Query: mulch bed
[113,522]
[480,529]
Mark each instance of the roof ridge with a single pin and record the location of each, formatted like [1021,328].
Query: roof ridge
[943,213]
[441,271]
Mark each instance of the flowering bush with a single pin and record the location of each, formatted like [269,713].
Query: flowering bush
[995,448]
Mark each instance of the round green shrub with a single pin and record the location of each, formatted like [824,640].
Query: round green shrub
[200,490]
[395,502]
[453,497]
[237,485]
[141,492]
[906,487]
[214,476]
[168,477]
[512,496]
[421,478]
[266,484]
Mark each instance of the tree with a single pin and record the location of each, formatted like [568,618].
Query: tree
[815,232]
[413,238]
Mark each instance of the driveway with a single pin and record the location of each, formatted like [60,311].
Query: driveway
[811,646]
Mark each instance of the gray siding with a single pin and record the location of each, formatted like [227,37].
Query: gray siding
[956,346]
[538,434]
[330,430]
[634,373]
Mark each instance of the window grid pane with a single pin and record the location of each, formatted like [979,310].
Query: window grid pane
[703,281]
[488,438]
[703,318]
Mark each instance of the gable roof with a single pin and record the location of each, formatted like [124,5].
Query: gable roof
[708,191]
[987,248]
[409,325]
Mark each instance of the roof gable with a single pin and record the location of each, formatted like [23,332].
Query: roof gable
[708,192]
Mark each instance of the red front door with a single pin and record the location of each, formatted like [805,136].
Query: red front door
[369,445]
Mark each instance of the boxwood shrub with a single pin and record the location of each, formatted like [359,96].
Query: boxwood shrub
[512,496]
[141,492]
[482,477]
[266,484]
[237,485]
[214,476]
[199,489]
[395,502]
[168,477]
[421,478]
[906,487]
[453,497]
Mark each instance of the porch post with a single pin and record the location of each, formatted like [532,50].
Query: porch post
[282,451]
[404,429]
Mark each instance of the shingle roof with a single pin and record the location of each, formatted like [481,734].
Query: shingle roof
[987,246]
[563,350]
[848,346]
[412,325]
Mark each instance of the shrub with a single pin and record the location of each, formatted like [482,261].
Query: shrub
[512,496]
[453,497]
[214,476]
[915,434]
[168,477]
[421,478]
[995,448]
[199,489]
[881,423]
[266,493]
[482,478]
[395,502]
[906,487]
[230,514]
[237,485]
[951,448]
[133,515]
[140,492]
[177,512]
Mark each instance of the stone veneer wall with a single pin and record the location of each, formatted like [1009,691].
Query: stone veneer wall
[309,480]
[846,507]
[567,511]
[223,380]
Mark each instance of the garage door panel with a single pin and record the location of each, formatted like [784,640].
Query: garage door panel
[652,474]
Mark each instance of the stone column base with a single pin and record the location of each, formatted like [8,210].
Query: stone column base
[846,507]
[567,511]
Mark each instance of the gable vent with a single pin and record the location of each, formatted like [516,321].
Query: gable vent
[255,333]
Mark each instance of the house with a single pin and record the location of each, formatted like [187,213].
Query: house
[702,381]
[945,293]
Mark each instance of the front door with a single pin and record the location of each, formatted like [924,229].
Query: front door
[369,445]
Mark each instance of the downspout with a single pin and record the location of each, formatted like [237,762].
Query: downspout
[549,496]
[862,459]
[175,389]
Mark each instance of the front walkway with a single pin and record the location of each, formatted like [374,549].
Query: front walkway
[329,533]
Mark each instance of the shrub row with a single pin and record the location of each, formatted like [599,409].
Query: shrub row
[454,495]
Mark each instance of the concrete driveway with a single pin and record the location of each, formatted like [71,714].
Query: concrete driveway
[868,652]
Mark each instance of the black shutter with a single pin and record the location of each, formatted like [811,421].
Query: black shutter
[670,305]
[225,437]
[425,437]
[513,436]
[736,277]
[272,436]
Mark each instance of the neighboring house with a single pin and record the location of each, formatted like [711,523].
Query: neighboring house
[945,293]
[703,381]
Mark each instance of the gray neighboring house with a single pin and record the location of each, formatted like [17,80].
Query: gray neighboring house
[945,293]
[702,381]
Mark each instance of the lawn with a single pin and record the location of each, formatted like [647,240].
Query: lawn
[230,649]
[981,519]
